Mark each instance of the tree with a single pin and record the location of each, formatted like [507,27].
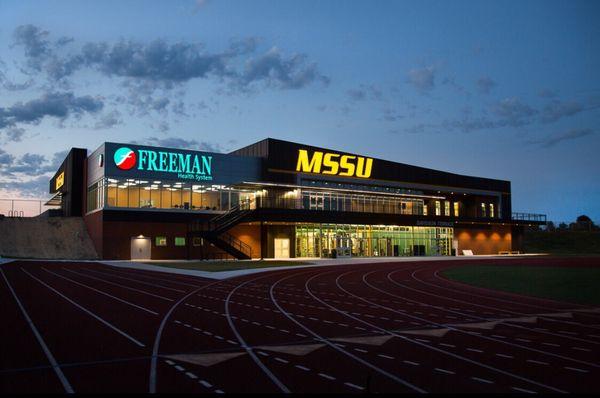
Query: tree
[550,227]
[563,226]
[583,223]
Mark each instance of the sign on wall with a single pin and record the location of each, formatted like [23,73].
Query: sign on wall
[330,163]
[143,162]
[60,181]
[183,165]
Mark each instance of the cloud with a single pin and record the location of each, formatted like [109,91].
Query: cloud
[364,92]
[357,94]
[485,84]
[513,112]
[391,115]
[6,159]
[275,70]
[32,188]
[182,143]
[558,109]
[58,105]
[569,135]
[423,79]
[547,93]
[14,134]
[109,120]
[160,64]
[12,167]
[33,39]
[198,5]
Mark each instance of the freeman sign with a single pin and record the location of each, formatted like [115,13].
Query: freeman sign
[334,164]
[187,166]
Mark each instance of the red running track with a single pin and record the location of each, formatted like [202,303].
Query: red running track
[383,327]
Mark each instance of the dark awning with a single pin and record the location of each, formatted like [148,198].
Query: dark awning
[56,200]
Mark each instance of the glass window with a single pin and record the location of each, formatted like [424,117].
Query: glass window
[456,209]
[179,241]
[424,209]
[438,208]
[197,241]
[447,208]
[134,193]
[161,241]
[145,195]
[491,210]
[483,210]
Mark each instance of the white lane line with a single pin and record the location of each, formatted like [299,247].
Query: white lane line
[264,354]
[523,390]
[482,380]
[179,368]
[411,363]
[205,383]
[118,285]
[281,360]
[122,333]
[101,292]
[538,362]
[191,375]
[302,367]
[445,371]
[552,344]
[169,362]
[505,356]
[385,356]
[581,349]
[448,345]
[474,350]
[577,369]
[135,280]
[354,386]
[361,350]
[523,340]
[326,376]
[55,366]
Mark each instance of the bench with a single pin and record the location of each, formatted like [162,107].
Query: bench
[467,252]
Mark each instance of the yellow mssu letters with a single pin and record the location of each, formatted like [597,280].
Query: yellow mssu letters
[334,164]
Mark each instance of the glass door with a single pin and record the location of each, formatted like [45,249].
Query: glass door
[316,201]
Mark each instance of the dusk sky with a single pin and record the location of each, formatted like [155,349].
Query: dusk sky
[503,89]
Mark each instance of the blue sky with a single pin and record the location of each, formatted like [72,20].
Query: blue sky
[507,89]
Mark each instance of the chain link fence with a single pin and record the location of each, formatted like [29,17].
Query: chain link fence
[23,207]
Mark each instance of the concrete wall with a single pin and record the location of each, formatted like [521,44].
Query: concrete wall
[47,238]
[484,240]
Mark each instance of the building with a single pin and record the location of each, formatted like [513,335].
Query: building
[279,199]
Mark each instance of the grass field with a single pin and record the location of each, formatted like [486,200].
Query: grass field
[216,266]
[561,242]
[576,285]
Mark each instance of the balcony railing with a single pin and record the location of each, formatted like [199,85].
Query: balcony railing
[362,205]
[529,217]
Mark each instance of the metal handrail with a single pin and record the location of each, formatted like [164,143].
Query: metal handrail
[236,243]
[529,217]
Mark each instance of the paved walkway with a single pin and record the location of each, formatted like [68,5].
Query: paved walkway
[220,275]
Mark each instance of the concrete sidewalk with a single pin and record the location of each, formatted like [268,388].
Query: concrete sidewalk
[220,275]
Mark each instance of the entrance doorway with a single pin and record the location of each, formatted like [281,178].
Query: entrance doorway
[282,248]
[316,201]
[140,248]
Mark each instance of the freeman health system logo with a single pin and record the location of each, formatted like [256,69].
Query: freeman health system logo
[125,158]
[187,166]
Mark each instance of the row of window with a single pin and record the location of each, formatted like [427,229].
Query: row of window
[162,241]
[438,208]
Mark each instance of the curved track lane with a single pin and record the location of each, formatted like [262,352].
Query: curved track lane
[383,327]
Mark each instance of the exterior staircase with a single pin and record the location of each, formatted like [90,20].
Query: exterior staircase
[215,231]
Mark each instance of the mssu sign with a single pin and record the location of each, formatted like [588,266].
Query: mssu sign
[187,166]
[334,164]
